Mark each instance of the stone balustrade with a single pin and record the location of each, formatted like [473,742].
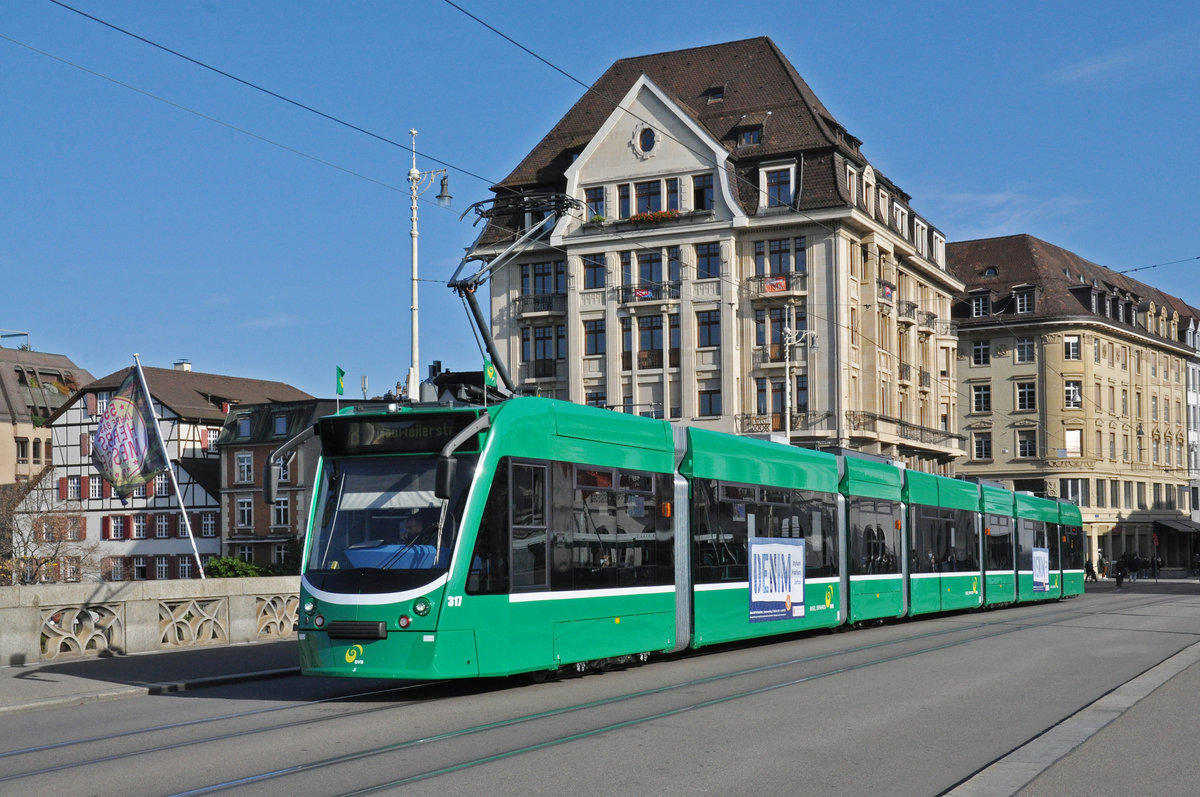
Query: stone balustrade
[59,622]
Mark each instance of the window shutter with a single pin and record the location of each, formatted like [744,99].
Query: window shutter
[128,562]
[62,488]
[173,566]
[150,488]
[173,529]
[203,439]
[106,490]
[128,527]
[105,527]
[91,404]
[84,485]
[85,444]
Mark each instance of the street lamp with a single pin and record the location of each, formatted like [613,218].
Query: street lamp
[420,182]
[791,338]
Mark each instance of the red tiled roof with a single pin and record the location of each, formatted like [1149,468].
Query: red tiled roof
[200,396]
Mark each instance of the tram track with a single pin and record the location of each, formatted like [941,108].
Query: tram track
[1007,624]
[962,633]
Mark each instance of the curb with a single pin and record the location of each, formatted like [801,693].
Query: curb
[160,688]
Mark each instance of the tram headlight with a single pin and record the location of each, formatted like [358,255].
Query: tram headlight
[310,606]
[319,621]
[405,621]
[421,607]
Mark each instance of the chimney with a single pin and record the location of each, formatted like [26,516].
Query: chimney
[183,365]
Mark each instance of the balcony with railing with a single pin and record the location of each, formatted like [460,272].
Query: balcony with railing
[907,312]
[649,359]
[925,379]
[905,372]
[761,423]
[648,292]
[774,286]
[553,303]
[871,425]
[887,291]
[927,321]
[539,369]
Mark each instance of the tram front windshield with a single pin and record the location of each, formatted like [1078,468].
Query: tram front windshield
[378,525]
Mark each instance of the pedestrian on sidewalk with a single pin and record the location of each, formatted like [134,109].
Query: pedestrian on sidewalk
[1120,572]
[1090,571]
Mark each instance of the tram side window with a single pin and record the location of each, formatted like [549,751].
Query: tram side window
[999,542]
[943,540]
[725,516]
[1031,534]
[489,560]
[1053,535]
[529,529]
[1074,543]
[874,536]
[718,533]
[610,528]
[564,526]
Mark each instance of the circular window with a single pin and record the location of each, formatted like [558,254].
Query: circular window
[647,139]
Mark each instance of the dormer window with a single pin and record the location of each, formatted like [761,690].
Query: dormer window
[990,271]
[714,94]
[1023,297]
[852,185]
[776,181]
[749,136]
[869,190]
[980,305]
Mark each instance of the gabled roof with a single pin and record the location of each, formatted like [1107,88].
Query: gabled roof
[198,396]
[760,85]
[1058,274]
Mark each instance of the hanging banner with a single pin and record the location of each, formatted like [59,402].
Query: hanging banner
[124,448]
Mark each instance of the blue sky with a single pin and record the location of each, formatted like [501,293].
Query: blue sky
[149,205]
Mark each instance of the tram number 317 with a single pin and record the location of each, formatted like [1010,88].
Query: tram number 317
[453,601]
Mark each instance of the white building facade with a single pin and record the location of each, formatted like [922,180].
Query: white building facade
[739,265]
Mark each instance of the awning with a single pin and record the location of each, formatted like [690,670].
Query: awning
[1181,526]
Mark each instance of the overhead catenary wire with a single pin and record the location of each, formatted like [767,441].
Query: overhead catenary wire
[357,128]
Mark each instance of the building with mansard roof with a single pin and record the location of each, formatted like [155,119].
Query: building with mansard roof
[730,258]
[146,538]
[1080,383]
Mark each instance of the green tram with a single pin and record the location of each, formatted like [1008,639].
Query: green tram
[456,542]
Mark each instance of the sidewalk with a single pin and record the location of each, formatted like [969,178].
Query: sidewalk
[44,685]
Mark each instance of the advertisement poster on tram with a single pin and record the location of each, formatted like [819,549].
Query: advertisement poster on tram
[1041,569]
[776,578]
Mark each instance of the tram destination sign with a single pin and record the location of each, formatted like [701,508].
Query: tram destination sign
[393,434]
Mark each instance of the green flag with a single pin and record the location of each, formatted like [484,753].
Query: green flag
[341,381]
[489,374]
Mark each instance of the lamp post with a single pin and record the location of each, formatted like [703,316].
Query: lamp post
[791,338]
[420,182]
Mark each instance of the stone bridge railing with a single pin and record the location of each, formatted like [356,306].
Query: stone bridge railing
[58,622]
